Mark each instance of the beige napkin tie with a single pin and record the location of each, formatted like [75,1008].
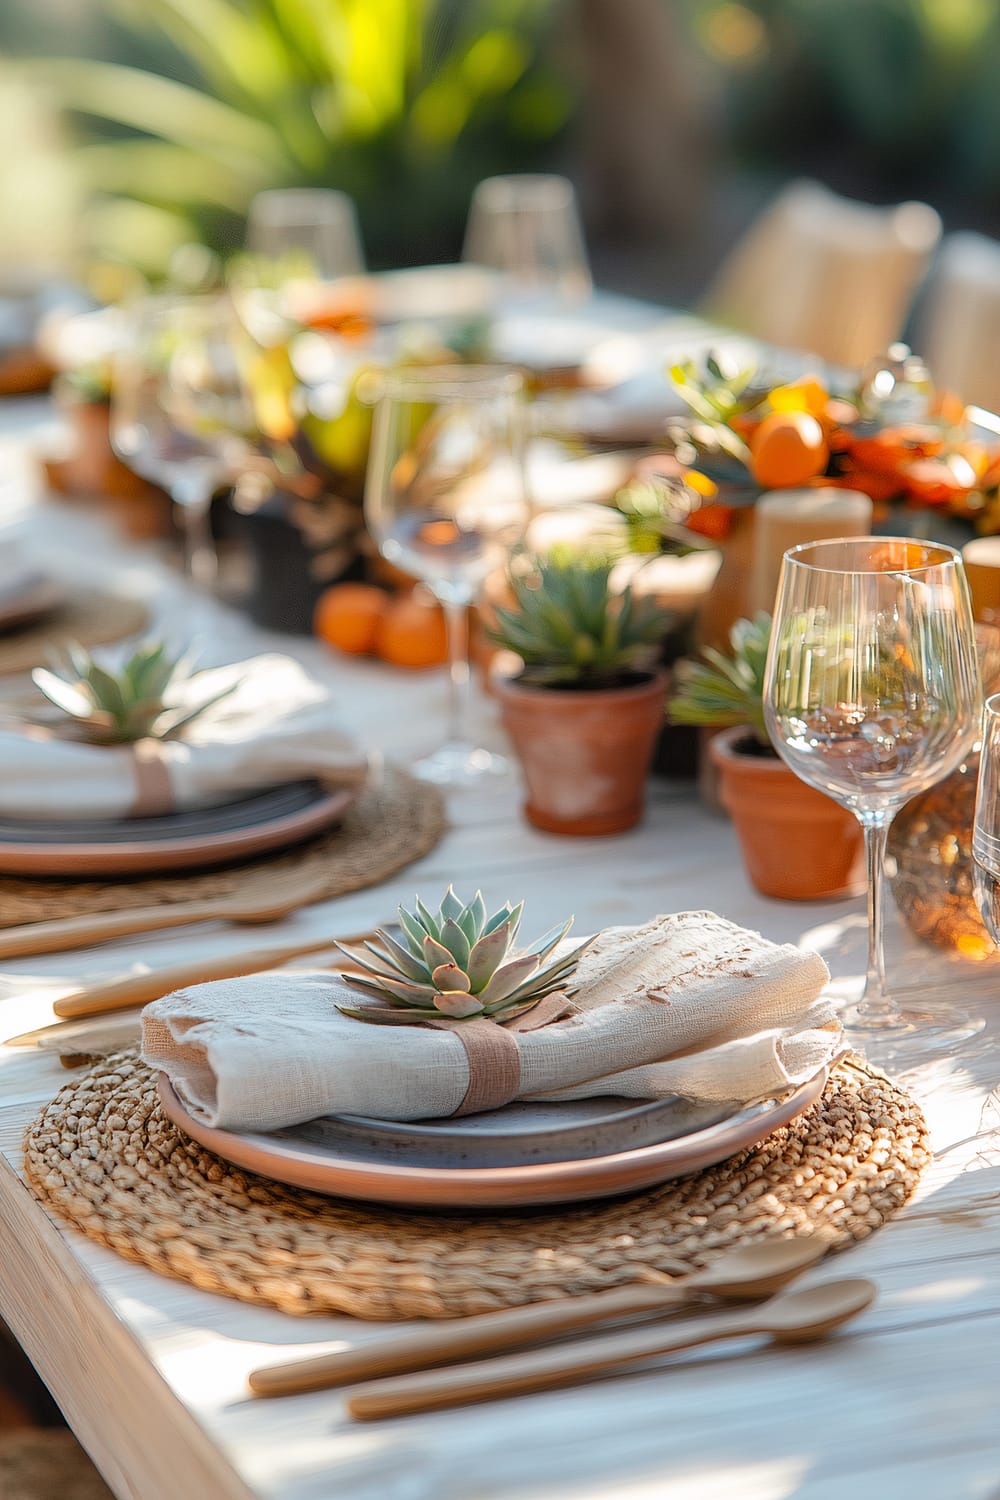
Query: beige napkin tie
[689,1004]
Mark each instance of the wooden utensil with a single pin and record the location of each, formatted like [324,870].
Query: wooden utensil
[139,989]
[266,901]
[792,1318]
[743,1274]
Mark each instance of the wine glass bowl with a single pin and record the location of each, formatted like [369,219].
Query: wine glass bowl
[179,412]
[872,695]
[318,225]
[526,226]
[445,501]
[986,822]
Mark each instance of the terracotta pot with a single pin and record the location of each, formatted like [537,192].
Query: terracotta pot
[797,843]
[585,754]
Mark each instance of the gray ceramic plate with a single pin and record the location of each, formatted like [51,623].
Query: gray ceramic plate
[526,1155]
[239,829]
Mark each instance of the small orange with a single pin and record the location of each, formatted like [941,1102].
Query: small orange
[348,616]
[788,448]
[412,633]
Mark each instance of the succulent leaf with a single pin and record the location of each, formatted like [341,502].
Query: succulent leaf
[510,976]
[458,1004]
[456,942]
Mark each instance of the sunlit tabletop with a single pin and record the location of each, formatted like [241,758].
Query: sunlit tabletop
[151,1373]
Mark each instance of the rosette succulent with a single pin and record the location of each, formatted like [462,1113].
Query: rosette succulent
[459,963]
[119,708]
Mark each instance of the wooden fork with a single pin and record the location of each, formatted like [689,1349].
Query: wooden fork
[268,900]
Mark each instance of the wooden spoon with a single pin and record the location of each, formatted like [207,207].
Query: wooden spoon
[793,1318]
[743,1274]
[267,901]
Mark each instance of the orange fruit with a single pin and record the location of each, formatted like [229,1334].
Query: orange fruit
[714,521]
[788,448]
[412,633]
[348,616]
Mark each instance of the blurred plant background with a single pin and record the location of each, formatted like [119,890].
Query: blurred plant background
[134,126]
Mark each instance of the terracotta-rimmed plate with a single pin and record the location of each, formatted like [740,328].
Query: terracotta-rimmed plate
[240,829]
[338,1162]
[29,598]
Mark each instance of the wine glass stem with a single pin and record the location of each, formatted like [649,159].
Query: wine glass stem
[459,673]
[194,498]
[875,1001]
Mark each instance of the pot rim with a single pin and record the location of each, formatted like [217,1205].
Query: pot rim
[722,747]
[504,683]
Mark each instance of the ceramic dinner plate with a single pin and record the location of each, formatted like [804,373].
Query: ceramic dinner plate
[255,824]
[521,1156]
[28,598]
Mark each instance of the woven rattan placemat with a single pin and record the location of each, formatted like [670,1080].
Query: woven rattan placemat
[395,820]
[91,619]
[105,1157]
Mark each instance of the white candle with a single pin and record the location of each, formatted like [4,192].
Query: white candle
[784,518]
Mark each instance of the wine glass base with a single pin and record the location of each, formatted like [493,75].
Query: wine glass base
[919,1031]
[458,765]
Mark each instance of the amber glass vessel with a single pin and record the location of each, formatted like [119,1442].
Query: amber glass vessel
[930,844]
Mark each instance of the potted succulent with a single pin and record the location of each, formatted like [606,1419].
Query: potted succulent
[586,705]
[797,843]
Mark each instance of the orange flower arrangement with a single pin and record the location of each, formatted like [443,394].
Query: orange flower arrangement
[742,439]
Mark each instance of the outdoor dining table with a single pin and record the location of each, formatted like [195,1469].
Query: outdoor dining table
[151,1373]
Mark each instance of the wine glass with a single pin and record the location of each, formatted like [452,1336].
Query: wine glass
[527,227]
[986,824]
[179,410]
[872,694]
[318,224]
[445,501]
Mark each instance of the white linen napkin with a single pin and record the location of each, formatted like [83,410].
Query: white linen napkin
[277,725]
[688,1004]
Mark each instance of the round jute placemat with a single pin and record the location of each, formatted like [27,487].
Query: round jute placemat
[395,820]
[105,1157]
[91,619]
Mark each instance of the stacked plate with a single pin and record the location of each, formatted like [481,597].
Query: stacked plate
[523,1155]
[238,829]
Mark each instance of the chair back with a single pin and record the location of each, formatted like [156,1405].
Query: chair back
[826,274]
[959,330]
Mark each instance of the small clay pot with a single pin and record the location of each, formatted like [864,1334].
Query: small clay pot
[797,843]
[585,753]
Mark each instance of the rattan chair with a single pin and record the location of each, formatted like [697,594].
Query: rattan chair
[958,331]
[826,274]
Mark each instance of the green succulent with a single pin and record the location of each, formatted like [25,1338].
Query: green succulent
[570,628]
[456,962]
[721,690]
[118,708]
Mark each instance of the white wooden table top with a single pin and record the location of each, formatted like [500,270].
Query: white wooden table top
[151,1373]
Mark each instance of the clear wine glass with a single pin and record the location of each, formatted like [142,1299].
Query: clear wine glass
[445,501]
[986,825]
[318,224]
[872,695]
[527,227]
[180,414]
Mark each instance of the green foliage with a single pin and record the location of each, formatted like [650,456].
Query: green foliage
[119,708]
[456,962]
[402,103]
[721,690]
[873,88]
[571,629]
